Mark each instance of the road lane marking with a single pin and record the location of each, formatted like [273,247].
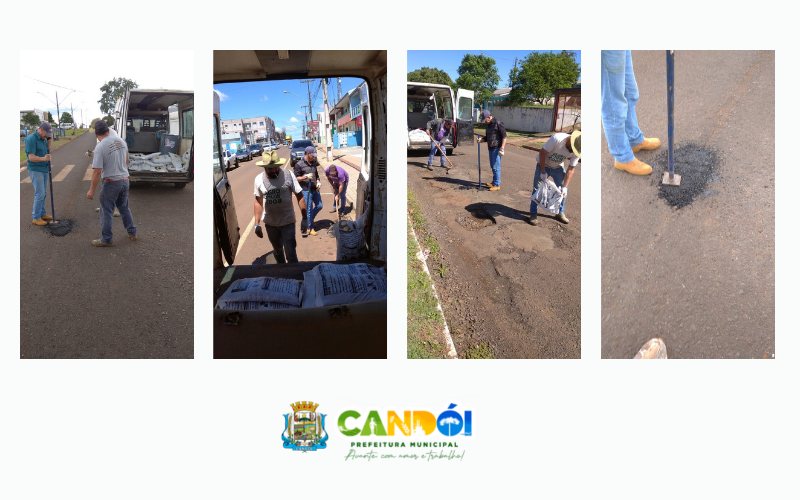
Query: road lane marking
[88,175]
[246,232]
[22,168]
[64,172]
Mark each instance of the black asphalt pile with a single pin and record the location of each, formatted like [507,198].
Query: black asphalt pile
[696,166]
[60,227]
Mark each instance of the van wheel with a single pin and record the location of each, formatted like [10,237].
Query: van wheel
[180,185]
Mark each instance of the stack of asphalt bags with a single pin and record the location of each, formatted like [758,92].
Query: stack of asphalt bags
[158,162]
[548,196]
[325,285]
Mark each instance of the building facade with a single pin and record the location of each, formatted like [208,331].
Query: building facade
[257,129]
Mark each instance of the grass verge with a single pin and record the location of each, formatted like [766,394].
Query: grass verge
[63,140]
[424,323]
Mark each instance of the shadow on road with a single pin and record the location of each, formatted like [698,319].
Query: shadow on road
[497,210]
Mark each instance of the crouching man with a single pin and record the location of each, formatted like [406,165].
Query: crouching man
[557,149]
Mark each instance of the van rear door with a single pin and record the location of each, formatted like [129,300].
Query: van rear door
[464,100]
[225,222]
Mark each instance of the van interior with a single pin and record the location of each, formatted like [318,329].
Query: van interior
[421,108]
[153,115]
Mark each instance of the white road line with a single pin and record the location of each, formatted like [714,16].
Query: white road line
[88,175]
[22,168]
[246,232]
[64,172]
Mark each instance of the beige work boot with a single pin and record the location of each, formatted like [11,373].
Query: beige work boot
[116,212]
[634,167]
[40,222]
[46,217]
[101,243]
[494,188]
[652,349]
[647,144]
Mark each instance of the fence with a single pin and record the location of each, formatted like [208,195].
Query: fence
[524,119]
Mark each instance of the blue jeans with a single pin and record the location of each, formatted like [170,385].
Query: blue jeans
[115,194]
[494,161]
[619,95]
[39,181]
[310,196]
[434,149]
[558,177]
[283,238]
[342,197]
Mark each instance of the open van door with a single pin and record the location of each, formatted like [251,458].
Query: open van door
[226,224]
[464,100]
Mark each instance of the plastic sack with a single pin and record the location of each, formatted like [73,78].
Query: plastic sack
[418,135]
[335,284]
[548,196]
[265,289]
[253,306]
[350,242]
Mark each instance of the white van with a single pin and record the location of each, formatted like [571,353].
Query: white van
[142,119]
[429,101]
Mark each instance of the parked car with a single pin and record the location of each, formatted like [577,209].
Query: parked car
[244,155]
[230,159]
[298,150]
[256,149]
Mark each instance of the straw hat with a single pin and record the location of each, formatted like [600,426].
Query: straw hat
[271,160]
[575,140]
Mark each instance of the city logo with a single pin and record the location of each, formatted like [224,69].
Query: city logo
[304,428]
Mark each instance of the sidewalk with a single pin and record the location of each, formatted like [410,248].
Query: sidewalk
[350,162]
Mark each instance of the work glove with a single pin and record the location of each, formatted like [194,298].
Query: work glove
[543,177]
[502,151]
[563,190]
[318,185]
[259,232]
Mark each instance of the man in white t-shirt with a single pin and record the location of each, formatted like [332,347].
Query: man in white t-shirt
[559,148]
[274,208]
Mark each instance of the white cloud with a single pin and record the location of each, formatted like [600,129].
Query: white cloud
[299,113]
[222,97]
[265,98]
[290,128]
[294,119]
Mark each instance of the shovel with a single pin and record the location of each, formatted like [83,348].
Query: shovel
[50,177]
[671,178]
[479,164]
[440,151]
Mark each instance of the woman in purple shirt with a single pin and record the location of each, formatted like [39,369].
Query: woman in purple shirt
[339,179]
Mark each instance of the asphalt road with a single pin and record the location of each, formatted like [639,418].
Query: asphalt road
[505,283]
[133,300]
[254,250]
[702,277]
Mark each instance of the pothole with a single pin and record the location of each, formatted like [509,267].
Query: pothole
[696,165]
[476,218]
[60,227]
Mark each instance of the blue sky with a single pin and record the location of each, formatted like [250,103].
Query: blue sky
[449,60]
[249,99]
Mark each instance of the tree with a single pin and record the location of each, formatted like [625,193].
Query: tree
[540,74]
[430,75]
[50,117]
[109,120]
[112,91]
[94,120]
[65,118]
[479,74]
[31,120]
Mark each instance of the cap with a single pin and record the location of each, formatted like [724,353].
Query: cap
[100,127]
[312,150]
[486,114]
[48,130]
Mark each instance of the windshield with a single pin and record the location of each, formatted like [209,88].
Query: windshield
[301,144]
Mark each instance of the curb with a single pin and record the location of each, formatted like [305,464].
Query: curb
[451,349]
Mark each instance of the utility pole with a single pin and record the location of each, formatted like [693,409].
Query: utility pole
[309,119]
[72,114]
[326,120]
[338,90]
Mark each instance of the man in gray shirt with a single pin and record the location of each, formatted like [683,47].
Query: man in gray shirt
[110,164]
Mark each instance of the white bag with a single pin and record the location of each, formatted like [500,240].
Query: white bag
[350,242]
[265,289]
[548,196]
[345,284]
[253,306]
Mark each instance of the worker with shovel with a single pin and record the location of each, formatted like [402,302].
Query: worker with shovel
[338,178]
[438,131]
[619,95]
[36,147]
[559,148]
[110,164]
[496,142]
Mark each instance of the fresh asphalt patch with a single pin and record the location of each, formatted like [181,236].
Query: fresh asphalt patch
[60,227]
[696,165]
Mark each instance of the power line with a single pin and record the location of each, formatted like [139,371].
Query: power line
[54,85]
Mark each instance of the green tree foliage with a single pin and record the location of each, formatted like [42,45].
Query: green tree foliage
[65,118]
[49,117]
[430,75]
[479,74]
[31,120]
[112,91]
[109,120]
[540,74]
[94,120]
